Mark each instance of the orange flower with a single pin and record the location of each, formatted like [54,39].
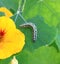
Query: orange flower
[6,11]
[12,40]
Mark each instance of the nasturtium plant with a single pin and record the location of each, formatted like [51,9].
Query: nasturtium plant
[45,15]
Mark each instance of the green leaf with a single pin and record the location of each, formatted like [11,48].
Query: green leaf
[10,4]
[23,57]
[45,34]
[42,55]
[58,37]
[50,10]
[5,61]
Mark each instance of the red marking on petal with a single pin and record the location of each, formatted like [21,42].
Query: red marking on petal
[2,33]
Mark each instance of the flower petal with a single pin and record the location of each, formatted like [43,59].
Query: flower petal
[6,11]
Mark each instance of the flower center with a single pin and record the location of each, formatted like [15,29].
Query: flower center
[2,33]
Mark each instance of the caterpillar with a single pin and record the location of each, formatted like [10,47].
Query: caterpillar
[34,28]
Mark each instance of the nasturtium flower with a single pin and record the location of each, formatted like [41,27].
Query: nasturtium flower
[12,40]
[6,11]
